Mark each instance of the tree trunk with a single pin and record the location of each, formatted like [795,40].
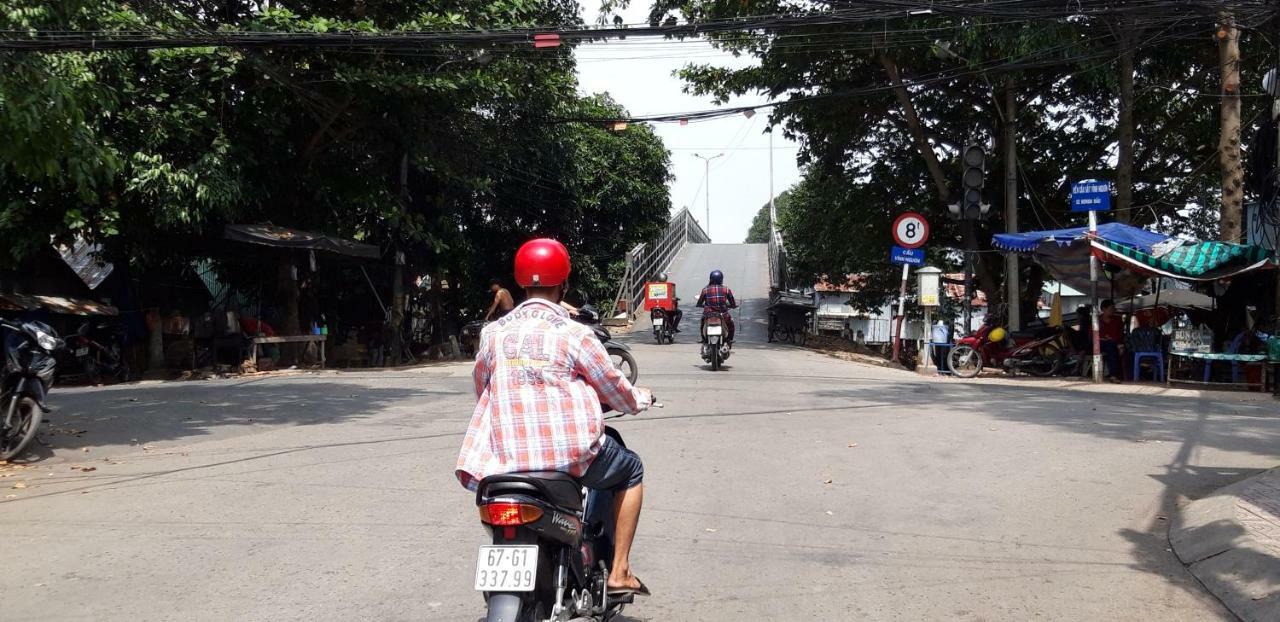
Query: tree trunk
[917,129]
[287,298]
[1124,167]
[1229,158]
[396,321]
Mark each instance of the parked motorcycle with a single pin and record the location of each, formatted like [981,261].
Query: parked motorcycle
[99,351]
[28,375]
[552,546]
[663,327]
[1043,355]
[715,347]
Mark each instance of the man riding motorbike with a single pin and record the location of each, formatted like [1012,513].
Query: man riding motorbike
[540,379]
[716,299]
[666,299]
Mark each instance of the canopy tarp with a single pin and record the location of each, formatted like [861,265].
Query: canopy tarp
[1120,233]
[1174,298]
[1189,261]
[1064,253]
[281,237]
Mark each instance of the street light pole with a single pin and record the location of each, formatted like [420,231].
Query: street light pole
[773,211]
[706,180]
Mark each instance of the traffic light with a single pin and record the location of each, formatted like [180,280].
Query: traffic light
[971,206]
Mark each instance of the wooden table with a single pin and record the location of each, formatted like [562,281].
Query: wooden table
[257,341]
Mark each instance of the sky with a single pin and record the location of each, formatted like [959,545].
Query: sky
[638,73]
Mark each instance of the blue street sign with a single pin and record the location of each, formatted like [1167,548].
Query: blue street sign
[907,256]
[1091,195]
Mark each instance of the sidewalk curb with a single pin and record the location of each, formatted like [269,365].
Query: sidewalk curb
[1217,538]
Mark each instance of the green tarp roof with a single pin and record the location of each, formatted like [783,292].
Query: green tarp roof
[1192,261]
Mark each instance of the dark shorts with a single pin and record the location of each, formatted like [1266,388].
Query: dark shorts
[614,468]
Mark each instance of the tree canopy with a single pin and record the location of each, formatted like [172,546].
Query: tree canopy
[451,156]
[883,107]
[759,231]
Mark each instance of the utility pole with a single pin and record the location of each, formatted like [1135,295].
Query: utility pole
[706,180]
[1012,274]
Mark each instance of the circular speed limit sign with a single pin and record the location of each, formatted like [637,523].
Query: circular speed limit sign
[910,230]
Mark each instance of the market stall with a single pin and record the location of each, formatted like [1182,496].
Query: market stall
[1132,257]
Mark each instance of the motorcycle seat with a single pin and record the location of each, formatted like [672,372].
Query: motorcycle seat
[559,488]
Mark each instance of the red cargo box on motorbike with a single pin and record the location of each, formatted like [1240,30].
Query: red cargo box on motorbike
[659,295]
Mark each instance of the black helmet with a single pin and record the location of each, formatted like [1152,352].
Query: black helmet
[717,277]
[662,277]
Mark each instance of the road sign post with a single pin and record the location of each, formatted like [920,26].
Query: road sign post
[1093,196]
[910,232]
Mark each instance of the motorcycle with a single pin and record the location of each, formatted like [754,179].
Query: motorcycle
[98,350]
[715,347]
[664,329]
[28,375]
[619,353]
[552,546]
[1043,355]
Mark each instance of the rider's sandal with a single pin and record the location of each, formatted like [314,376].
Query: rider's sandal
[643,590]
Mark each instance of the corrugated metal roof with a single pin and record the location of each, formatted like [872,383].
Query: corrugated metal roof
[82,257]
[55,304]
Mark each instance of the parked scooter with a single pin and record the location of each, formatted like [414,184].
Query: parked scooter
[552,546]
[99,351]
[28,375]
[715,345]
[992,346]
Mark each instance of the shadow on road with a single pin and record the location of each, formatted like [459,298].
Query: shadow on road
[141,414]
[1192,423]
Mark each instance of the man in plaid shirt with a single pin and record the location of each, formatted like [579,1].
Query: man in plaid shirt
[540,378]
[716,299]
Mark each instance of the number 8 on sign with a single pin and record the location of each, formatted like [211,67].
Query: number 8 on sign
[910,230]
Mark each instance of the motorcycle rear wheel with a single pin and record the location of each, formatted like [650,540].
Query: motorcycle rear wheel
[1049,360]
[964,361]
[26,426]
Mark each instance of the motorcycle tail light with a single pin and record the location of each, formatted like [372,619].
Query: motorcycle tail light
[505,514]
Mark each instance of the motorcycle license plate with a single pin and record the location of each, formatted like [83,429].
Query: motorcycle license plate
[82,351]
[507,568]
[657,321]
[715,330]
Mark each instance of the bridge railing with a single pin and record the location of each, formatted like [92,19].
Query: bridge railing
[646,260]
[777,262]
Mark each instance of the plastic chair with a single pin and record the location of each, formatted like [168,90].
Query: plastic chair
[1146,343]
[1232,348]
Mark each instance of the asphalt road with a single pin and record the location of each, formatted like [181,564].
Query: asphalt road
[790,487]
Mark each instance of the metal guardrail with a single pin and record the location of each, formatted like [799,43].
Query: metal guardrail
[646,260]
[777,262]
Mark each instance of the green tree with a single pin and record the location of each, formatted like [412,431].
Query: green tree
[445,154]
[759,231]
[882,109]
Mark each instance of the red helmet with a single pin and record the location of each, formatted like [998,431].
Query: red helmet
[542,263]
